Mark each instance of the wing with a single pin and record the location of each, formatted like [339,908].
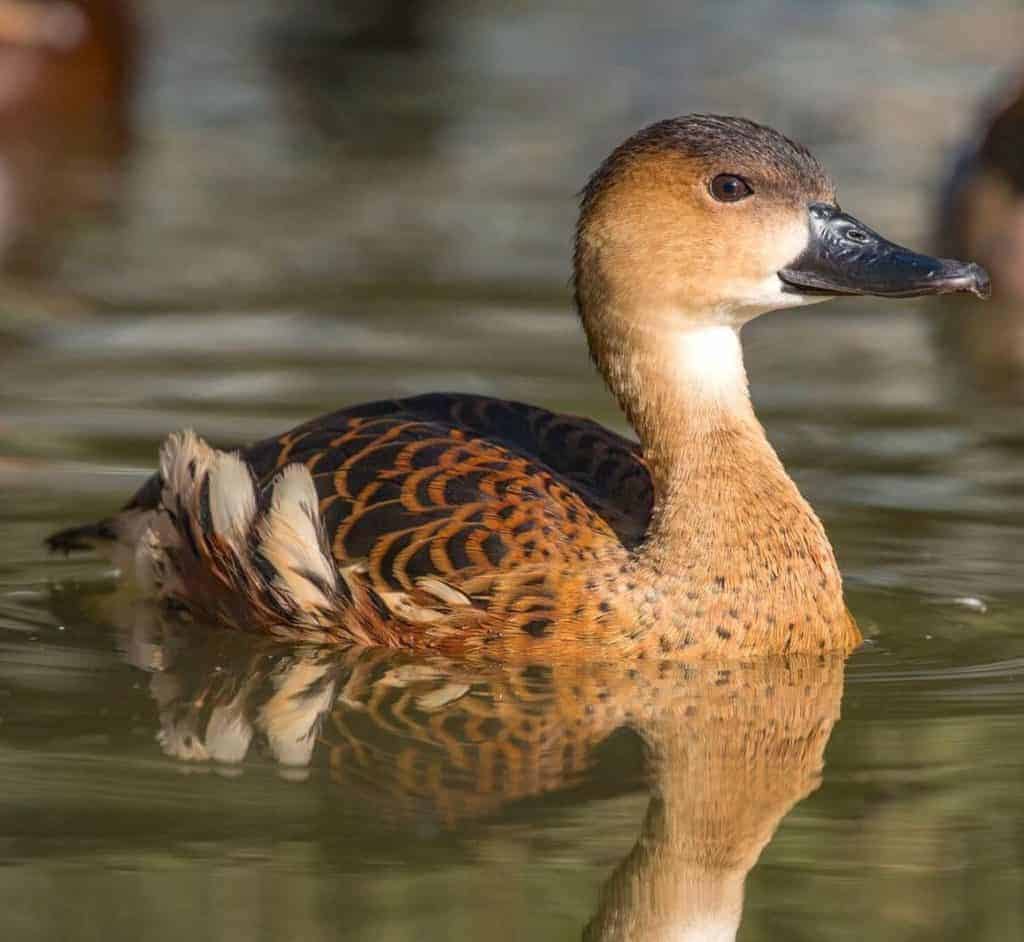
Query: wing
[446,485]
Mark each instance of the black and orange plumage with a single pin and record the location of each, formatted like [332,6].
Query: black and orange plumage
[415,493]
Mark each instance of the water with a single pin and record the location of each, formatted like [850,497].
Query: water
[400,223]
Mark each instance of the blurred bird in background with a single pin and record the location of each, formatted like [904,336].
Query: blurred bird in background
[981,211]
[67,73]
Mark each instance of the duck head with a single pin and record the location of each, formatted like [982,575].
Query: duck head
[715,220]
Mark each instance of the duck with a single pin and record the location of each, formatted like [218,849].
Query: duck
[727,748]
[981,212]
[981,208]
[462,524]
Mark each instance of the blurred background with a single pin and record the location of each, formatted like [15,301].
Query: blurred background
[235,214]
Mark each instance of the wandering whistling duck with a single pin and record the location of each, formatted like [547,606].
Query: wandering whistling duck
[477,526]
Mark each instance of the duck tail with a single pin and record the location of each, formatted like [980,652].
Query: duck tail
[91,536]
[204,537]
[228,551]
[115,537]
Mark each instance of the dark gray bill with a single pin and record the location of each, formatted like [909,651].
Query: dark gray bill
[844,256]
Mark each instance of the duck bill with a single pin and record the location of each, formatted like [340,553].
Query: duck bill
[843,256]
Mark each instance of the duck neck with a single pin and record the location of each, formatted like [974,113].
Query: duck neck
[685,392]
[730,543]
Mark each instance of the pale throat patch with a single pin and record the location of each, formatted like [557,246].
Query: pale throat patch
[709,362]
[708,929]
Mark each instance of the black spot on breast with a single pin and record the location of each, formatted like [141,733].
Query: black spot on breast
[455,725]
[723,632]
[494,549]
[537,675]
[529,494]
[537,627]
[490,727]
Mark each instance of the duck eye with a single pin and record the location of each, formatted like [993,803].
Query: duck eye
[728,188]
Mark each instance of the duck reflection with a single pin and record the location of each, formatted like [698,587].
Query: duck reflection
[729,748]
